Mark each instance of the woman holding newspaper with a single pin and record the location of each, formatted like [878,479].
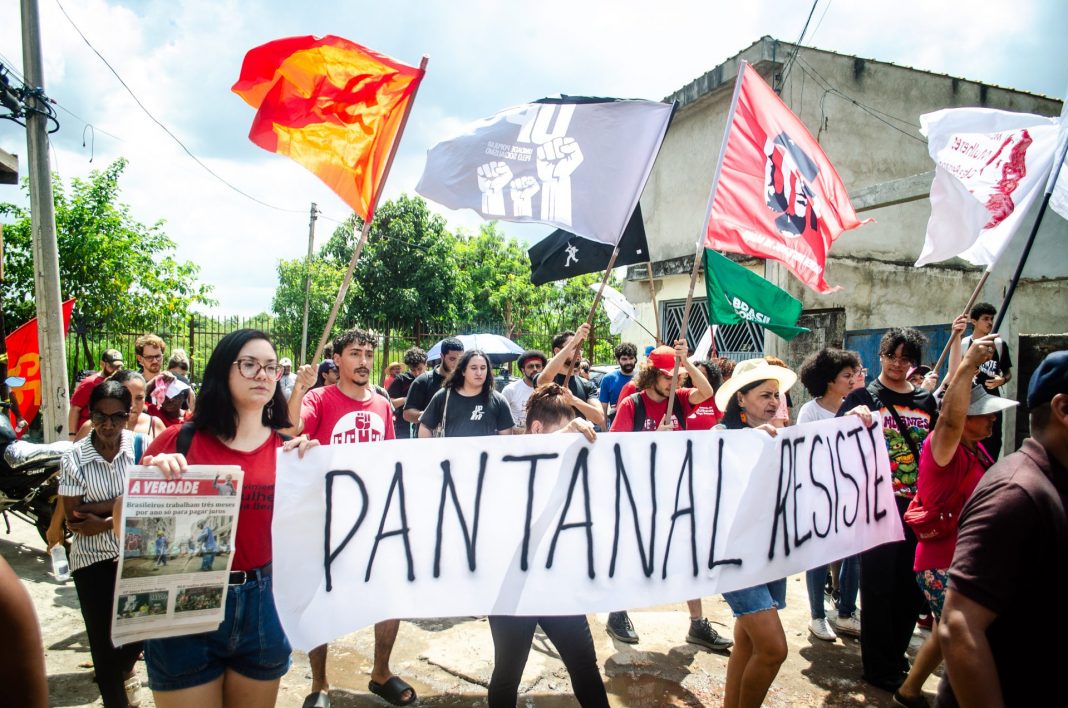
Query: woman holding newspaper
[750,399]
[239,411]
[92,475]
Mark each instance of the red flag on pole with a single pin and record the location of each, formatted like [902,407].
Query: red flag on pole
[24,360]
[776,194]
[332,105]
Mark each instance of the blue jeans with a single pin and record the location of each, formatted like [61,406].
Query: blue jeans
[249,641]
[848,587]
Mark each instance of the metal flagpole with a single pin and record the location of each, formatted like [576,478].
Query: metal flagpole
[367,224]
[701,242]
[1030,239]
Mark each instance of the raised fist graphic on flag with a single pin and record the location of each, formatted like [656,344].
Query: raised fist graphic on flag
[493,177]
[557,159]
[523,190]
[788,171]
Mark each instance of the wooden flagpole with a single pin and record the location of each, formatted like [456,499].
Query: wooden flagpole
[701,243]
[967,310]
[652,296]
[596,301]
[367,224]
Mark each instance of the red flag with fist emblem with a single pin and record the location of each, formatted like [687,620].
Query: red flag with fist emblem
[776,194]
[24,360]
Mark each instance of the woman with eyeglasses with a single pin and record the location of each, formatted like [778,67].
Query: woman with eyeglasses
[139,421]
[92,475]
[236,422]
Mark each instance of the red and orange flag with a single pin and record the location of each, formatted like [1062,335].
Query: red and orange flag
[24,359]
[333,106]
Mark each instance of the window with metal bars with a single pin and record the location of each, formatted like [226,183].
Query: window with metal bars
[737,342]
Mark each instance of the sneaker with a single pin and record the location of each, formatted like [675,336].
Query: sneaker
[620,628]
[821,629]
[133,691]
[917,702]
[849,626]
[702,634]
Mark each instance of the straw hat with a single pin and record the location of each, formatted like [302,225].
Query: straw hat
[751,371]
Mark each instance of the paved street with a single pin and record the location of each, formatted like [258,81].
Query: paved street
[449,661]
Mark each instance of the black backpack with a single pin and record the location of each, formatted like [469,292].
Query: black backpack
[640,417]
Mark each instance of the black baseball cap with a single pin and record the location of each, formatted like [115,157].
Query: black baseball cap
[1049,379]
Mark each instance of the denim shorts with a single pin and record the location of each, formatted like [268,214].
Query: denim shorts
[249,641]
[769,596]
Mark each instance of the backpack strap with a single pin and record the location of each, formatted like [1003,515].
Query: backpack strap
[185,438]
[639,411]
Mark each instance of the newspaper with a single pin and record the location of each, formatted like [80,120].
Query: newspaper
[177,548]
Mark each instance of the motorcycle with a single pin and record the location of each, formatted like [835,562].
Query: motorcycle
[29,475]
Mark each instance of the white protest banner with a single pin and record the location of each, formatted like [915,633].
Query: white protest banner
[553,525]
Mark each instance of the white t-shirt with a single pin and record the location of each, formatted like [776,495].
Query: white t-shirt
[813,411]
[517,393]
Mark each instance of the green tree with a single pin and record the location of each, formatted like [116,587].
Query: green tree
[494,274]
[123,273]
[288,303]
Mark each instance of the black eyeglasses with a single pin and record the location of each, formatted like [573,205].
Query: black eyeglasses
[250,369]
[99,418]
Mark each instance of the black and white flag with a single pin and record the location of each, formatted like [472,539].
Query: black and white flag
[573,162]
[562,254]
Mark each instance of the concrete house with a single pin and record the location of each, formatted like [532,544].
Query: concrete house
[865,114]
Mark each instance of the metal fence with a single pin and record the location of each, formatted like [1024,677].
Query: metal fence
[199,335]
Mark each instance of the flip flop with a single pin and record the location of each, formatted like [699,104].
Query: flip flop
[392,690]
[319,699]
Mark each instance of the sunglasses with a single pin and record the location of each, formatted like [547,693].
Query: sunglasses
[99,418]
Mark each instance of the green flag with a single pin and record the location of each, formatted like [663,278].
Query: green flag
[737,294]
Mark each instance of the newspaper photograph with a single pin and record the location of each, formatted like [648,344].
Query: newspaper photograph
[177,541]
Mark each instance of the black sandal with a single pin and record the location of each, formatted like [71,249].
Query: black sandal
[392,690]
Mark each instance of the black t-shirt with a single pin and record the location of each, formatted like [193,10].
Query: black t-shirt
[917,409]
[423,389]
[397,389]
[1000,365]
[468,416]
[1010,558]
[584,390]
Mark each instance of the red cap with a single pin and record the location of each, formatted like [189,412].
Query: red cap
[663,358]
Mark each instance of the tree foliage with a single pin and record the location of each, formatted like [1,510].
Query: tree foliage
[124,274]
[414,277]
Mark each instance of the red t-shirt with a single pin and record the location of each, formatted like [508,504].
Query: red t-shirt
[252,546]
[333,418]
[704,417]
[81,394]
[628,389]
[946,488]
[654,412]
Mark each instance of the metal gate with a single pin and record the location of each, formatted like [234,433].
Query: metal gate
[737,342]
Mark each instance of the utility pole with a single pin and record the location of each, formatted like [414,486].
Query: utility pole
[55,399]
[307,282]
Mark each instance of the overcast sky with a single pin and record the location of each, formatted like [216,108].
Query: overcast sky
[180,58]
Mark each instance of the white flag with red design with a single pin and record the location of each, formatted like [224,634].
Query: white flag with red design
[991,165]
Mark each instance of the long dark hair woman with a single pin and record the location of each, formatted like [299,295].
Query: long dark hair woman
[92,476]
[467,405]
[750,400]
[238,414]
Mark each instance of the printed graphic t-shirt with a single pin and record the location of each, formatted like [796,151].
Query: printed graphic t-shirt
[918,411]
[333,418]
[654,412]
[252,546]
[468,416]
